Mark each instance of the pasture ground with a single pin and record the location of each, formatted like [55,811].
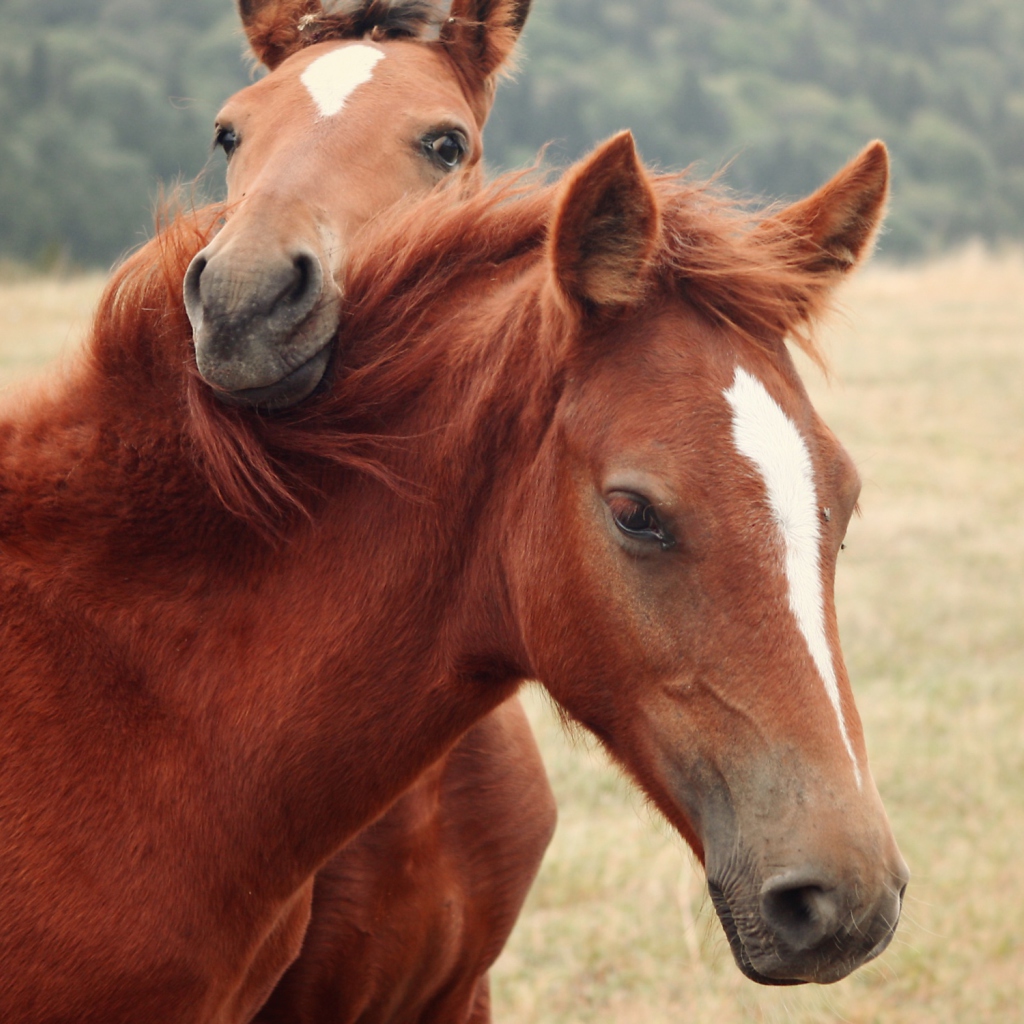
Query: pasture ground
[928,396]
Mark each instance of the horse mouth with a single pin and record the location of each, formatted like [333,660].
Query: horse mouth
[739,950]
[290,390]
[819,968]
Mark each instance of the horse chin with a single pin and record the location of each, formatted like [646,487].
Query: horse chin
[251,362]
[739,950]
[772,965]
[290,390]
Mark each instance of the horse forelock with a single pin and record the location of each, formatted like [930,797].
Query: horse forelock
[378,19]
[740,267]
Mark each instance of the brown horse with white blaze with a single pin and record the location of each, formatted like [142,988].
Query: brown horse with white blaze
[360,110]
[642,382]
[592,464]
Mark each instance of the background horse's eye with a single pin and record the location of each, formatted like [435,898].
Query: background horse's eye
[447,150]
[635,517]
[227,139]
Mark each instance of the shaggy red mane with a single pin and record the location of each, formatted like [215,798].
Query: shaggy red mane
[401,286]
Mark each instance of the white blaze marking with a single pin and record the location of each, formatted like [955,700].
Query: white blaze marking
[765,435]
[332,78]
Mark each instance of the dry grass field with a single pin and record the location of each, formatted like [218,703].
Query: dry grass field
[40,318]
[928,395]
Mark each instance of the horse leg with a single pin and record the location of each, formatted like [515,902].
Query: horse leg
[410,915]
[481,1012]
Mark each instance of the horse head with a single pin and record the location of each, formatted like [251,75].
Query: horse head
[360,108]
[672,548]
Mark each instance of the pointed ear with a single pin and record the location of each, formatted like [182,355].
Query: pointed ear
[274,27]
[605,227]
[480,36]
[835,227]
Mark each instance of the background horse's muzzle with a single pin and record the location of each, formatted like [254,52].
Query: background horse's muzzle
[262,326]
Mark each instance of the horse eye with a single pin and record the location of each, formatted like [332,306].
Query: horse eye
[636,518]
[447,150]
[227,138]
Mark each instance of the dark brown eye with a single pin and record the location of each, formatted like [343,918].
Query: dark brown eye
[636,518]
[226,138]
[446,150]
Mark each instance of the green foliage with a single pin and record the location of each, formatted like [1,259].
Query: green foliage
[103,100]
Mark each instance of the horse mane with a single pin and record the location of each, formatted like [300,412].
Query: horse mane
[739,266]
[734,265]
[257,464]
[376,19]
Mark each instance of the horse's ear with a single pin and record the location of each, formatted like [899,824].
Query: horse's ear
[605,227]
[480,36]
[835,228]
[274,27]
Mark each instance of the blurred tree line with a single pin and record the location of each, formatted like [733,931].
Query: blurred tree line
[102,99]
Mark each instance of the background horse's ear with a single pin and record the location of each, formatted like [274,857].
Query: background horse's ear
[605,227]
[836,226]
[273,26]
[480,36]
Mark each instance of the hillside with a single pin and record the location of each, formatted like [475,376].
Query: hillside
[102,99]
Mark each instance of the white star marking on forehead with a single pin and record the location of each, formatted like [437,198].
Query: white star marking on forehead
[332,78]
[766,436]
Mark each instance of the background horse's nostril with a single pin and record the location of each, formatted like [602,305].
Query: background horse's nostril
[304,274]
[191,289]
[259,314]
[292,285]
[264,292]
[801,913]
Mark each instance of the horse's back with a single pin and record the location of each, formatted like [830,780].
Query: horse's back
[411,914]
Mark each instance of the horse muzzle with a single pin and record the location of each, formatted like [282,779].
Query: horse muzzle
[804,926]
[801,864]
[263,327]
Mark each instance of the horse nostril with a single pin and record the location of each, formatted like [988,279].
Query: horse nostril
[801,913]
[304,274]
[191,289]
[297,282]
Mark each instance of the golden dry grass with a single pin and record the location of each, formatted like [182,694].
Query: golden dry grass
[40,318]
[929,374]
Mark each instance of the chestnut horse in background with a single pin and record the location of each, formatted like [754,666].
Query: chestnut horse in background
[361,109]
[561,438]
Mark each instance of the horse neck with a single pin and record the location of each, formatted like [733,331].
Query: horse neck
[83,447]
[412,586]
[264,671]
